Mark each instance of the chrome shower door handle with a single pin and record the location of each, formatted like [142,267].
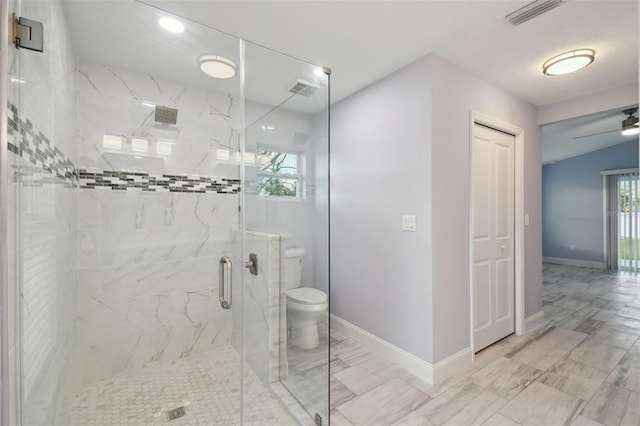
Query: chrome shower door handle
[225,282]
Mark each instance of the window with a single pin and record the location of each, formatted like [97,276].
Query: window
[279,174]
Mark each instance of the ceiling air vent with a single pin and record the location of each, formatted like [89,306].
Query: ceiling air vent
[530,10]
[304,88]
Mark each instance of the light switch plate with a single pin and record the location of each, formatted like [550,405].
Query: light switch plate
[409,223]
[526,219]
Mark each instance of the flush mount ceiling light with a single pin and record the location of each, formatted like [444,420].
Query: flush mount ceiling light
[217,66]
[630,124]
[568,62]
[172,25]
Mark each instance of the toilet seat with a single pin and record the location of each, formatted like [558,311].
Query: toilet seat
[307,296]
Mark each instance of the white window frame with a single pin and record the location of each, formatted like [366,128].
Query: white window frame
[298,176]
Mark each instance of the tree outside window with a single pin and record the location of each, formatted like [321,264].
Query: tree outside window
[279,174]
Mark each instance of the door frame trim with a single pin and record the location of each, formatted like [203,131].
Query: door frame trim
[476,117]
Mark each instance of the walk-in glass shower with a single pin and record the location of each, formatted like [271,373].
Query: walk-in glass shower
[155,175]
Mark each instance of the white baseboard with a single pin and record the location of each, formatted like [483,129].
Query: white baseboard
[534,322]
[386,350]
[418,367]
[574,262]
[452,364]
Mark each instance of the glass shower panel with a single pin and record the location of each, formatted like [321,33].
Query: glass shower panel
[42,204]
[286,222]
[132,176]
[158,206]
[124,203]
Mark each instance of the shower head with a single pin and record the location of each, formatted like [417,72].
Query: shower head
[166,115]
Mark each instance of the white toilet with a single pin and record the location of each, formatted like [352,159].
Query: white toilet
[304,304]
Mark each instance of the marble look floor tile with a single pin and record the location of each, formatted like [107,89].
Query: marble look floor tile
[619,321]
[338,419]
[433,390]
[351,352]
[610,305]
[465,403]
[589,326]
[569,354]
[367,375]
[413,419]
[340,394]
[540,404]
[562,337]
[592,312]
[339,337]
[337,365]
[630,312]
[538,355]
[574,378]
[569,303]
[583,421]
[499,420]
[613,405]
[618,338]
[383,405]
[627,373]
[615,296]
[505,377]
[597,355]
[560,316]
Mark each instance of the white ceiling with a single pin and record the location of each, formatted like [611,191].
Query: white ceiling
[581,135]
[363,41]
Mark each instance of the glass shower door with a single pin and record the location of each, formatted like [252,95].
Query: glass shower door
[123,205]
[286,194]
[139,188]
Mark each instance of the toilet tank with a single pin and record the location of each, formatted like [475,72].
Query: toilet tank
[293,267]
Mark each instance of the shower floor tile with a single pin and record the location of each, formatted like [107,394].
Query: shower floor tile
[207,385]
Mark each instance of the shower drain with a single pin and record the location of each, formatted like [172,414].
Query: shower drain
[176,413]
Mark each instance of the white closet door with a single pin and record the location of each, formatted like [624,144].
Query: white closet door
[492,224]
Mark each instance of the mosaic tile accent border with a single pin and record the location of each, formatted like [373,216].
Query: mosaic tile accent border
[29,143]
[50,165]
[156,183]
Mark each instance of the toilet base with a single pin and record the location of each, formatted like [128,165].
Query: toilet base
[304,333]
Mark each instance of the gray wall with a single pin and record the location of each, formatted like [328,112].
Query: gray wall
[456,93]
[380,170]
[401,146]
[572,206]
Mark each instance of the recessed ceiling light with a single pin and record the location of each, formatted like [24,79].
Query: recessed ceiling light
[217,66]
[172,25]
[568,62]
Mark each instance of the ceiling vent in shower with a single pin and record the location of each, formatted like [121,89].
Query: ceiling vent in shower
[166,115]
[304,88]
[530,10]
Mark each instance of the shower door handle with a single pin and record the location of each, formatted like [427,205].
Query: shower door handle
[225,282]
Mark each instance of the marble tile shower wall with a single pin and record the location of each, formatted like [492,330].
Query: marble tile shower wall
[148,266]
[43,210]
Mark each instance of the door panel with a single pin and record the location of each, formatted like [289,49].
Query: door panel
[482,190]
[482,315]
[493,281]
